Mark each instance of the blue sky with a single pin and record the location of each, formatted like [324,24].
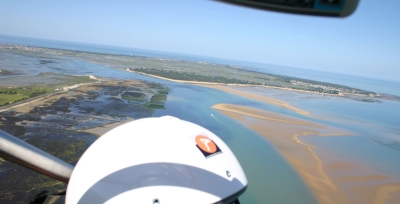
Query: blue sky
[365,44]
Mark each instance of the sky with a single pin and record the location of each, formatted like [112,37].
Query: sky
[366,43]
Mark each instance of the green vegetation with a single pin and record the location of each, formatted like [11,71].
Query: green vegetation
[14,94]
[153,96]
[159,97]
[187,76]
[321,87]
[33,86]
[133,96]
[249,77]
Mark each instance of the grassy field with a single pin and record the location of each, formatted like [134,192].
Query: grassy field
[7,98]
[29,87]
[14,94]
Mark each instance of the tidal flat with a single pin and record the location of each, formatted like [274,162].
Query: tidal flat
[60,125]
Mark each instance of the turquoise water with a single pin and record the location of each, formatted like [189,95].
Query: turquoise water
[271,179]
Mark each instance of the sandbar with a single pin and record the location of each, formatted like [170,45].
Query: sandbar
[331,179]
[262,98]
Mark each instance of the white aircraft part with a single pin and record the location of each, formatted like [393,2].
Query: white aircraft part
[156,159]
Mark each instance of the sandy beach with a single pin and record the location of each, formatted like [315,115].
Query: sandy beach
[331,179]
[99,131]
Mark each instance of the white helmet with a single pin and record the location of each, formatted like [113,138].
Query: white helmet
[157,160]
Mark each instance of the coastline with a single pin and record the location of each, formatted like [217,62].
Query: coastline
[228,88]
[376,97]
[241,85]
[331,179]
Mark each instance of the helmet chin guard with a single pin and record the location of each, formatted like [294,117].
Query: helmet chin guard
[157,160]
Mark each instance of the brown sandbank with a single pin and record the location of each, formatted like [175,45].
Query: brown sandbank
[331,179]
[265,99]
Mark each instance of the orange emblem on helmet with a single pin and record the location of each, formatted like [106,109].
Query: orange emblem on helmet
[206,144]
